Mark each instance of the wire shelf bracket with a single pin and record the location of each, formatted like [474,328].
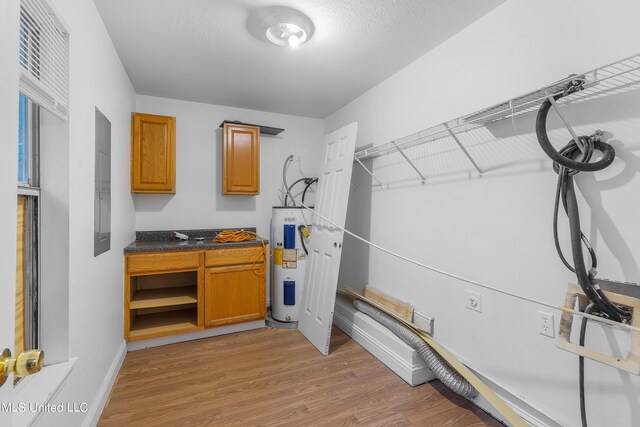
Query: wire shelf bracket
[424,179]
[615,78]
[554,104]
[464,150]
[369,172]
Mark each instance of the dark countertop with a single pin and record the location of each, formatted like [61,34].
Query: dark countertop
[160,241]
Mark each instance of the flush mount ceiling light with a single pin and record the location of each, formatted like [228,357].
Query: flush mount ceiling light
[289,28]
[286,33]
[282,26]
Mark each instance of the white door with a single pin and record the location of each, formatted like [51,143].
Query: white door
[325,244]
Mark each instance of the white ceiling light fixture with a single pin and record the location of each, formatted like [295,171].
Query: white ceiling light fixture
[291,28]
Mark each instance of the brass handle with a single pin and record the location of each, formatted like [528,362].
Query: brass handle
[27,363]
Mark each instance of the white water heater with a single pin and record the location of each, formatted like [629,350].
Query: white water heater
[288,262]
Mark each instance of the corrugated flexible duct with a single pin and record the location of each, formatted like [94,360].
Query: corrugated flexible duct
[439,366]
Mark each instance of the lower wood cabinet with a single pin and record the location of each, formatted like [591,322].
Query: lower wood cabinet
[234,294]
[169,293]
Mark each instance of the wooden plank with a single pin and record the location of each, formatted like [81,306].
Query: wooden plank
[402,309]
[632,362]
[273,377]
[20,338]
[164,297]
[165,323]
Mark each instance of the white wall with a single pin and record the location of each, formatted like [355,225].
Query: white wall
[198,202]
[97,79]
[354,262]
[9,9]
[54,237]
[497,229]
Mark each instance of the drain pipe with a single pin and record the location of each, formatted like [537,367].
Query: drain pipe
[441,369]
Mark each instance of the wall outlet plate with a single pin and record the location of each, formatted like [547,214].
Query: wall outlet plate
[546,324]
[474,301]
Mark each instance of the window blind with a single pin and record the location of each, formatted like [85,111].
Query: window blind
[44,57]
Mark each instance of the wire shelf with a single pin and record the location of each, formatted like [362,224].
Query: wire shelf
[615,78]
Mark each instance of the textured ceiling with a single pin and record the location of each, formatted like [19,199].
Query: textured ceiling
[203,50]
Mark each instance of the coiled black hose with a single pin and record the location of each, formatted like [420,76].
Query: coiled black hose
[568,162]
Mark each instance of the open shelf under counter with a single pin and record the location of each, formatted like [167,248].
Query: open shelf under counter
[164,323]
[163,297]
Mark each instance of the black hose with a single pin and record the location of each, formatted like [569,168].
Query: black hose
[584,278]
[608,153]
[559,191]
[300,228]
[583,331]
[568,162]
[286,197]
[304,193]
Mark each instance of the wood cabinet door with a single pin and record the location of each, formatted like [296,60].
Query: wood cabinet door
[241,159]
[153,154]
[234,294]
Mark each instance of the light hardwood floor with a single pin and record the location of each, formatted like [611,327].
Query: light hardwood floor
[275,377]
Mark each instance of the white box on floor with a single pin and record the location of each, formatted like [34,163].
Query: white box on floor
[381,342]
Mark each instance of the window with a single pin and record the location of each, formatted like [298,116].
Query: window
[43,55]
[27,277]
[42,278]
[30,34]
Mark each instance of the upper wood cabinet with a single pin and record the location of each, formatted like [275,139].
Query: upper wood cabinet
[241,164]
[153,154]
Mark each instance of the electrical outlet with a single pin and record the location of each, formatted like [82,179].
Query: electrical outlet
[546,324]
[474,301]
